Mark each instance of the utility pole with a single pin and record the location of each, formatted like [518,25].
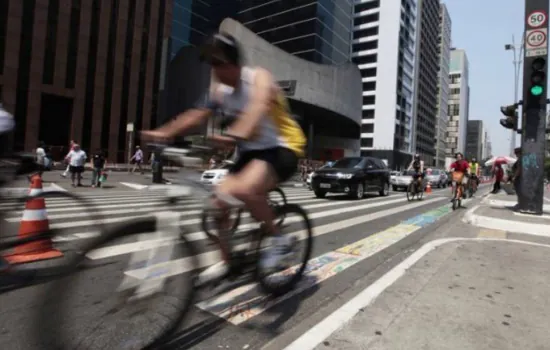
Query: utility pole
[535,68]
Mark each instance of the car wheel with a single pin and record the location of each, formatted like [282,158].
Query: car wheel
[385,190]
[359,192]
[320,194]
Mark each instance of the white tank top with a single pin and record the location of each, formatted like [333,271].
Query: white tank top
[233,101]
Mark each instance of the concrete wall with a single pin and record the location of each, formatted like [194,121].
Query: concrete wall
[336,88]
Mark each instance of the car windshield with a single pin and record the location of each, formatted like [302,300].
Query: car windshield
[348,163]
[408,173]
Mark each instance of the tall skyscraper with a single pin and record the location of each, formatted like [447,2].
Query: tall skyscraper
[444,51]
[388,74]
[474,140]
[459,102]
[426,79]
[318,31]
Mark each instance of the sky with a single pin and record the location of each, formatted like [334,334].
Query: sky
[482,28]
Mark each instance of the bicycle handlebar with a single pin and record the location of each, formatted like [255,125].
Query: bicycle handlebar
[180,155]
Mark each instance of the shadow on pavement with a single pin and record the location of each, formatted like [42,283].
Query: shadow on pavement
[197,333]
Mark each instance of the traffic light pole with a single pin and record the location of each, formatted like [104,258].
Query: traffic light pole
[531,190]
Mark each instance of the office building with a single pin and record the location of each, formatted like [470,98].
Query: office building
[81,70]
[317,31]
[387,72]
[425,113]
[459,103]
[474,139]
[444,52]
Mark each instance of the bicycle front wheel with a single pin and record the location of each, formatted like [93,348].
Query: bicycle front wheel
[123,291]
[410,192]
[290,273]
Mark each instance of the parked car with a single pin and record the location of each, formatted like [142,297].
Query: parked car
[402,181]
[393,175]
[437,178]
[215,176]
[354,176]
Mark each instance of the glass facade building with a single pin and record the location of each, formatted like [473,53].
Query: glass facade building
[318,31]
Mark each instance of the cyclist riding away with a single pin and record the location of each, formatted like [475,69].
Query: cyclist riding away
[418,166]
[475,171]
[268,139]
[459,168]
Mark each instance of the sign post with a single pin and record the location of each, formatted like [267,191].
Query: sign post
[533,140]
[130,131]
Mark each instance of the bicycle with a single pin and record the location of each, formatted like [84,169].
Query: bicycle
[208,218]
[13,277]
[415,188]
[147,275]
[459,180]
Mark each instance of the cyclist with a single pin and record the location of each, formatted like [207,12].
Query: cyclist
[418,166]
[459,169]
[475,171]
[268,139]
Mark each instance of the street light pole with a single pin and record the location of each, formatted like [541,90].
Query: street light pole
[517,69]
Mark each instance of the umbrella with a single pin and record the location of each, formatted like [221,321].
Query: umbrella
[500,160]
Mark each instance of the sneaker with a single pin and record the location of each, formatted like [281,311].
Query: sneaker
[213,273]
[276,253]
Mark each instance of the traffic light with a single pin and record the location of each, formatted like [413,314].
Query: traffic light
[511,114]
[538,77]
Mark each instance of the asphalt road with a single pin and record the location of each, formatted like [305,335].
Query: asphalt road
[231,317]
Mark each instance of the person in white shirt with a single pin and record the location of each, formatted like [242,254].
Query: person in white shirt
[77,159]
[41,156]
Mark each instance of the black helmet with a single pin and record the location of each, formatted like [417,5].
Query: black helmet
[459,154]
[221,48]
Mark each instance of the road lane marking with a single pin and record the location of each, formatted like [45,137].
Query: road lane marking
[487,233]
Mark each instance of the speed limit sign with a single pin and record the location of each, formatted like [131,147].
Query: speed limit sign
[536,19]
[535,38]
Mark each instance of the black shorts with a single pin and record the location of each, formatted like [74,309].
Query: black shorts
[76,169]
[283,160]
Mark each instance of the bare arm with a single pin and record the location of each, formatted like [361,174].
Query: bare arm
[260,98]
[185,121]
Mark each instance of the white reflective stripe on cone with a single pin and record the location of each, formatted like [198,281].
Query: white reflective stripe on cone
[34,215]
[35,191]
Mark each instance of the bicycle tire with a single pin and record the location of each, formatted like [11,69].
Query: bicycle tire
[60,290]
[410,194]
[237,221]
[284,288]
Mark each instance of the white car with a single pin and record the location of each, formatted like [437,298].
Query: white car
[215,176]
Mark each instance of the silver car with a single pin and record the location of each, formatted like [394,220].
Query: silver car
[437,178]
[402,180]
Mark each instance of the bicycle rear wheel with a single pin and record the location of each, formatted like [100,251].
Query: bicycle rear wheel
[410,192]
[129,303]
[286,278]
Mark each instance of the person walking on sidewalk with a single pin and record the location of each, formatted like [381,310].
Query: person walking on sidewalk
[77,159]
[41,157]
[98,165]
[137,159]
[498,173]
[71,147]
[516,172]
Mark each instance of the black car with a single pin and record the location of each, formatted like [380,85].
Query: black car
[353,176]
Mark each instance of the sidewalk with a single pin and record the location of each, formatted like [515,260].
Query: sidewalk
[482,288]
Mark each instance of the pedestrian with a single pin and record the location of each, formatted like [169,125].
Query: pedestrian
[98,165]
[41,157]
[137,159]
[498,174]
[77,159]
[71,147]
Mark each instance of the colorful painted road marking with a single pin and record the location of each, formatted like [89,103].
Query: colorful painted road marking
[243,303]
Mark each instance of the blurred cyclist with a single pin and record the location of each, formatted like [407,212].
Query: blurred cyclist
[269,140]
[459,168]
[475,171]
[418,166]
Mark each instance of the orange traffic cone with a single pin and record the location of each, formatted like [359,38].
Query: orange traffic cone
[429,188]
[34,221]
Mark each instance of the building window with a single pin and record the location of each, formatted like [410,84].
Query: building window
[366,142]
[368,73]
[365,32]
[368,114]
[72,50]
[367,6]
[364,46]
[455,78]
[366,19]
[367,128]
[369,100]
[369,86]
[454,110]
